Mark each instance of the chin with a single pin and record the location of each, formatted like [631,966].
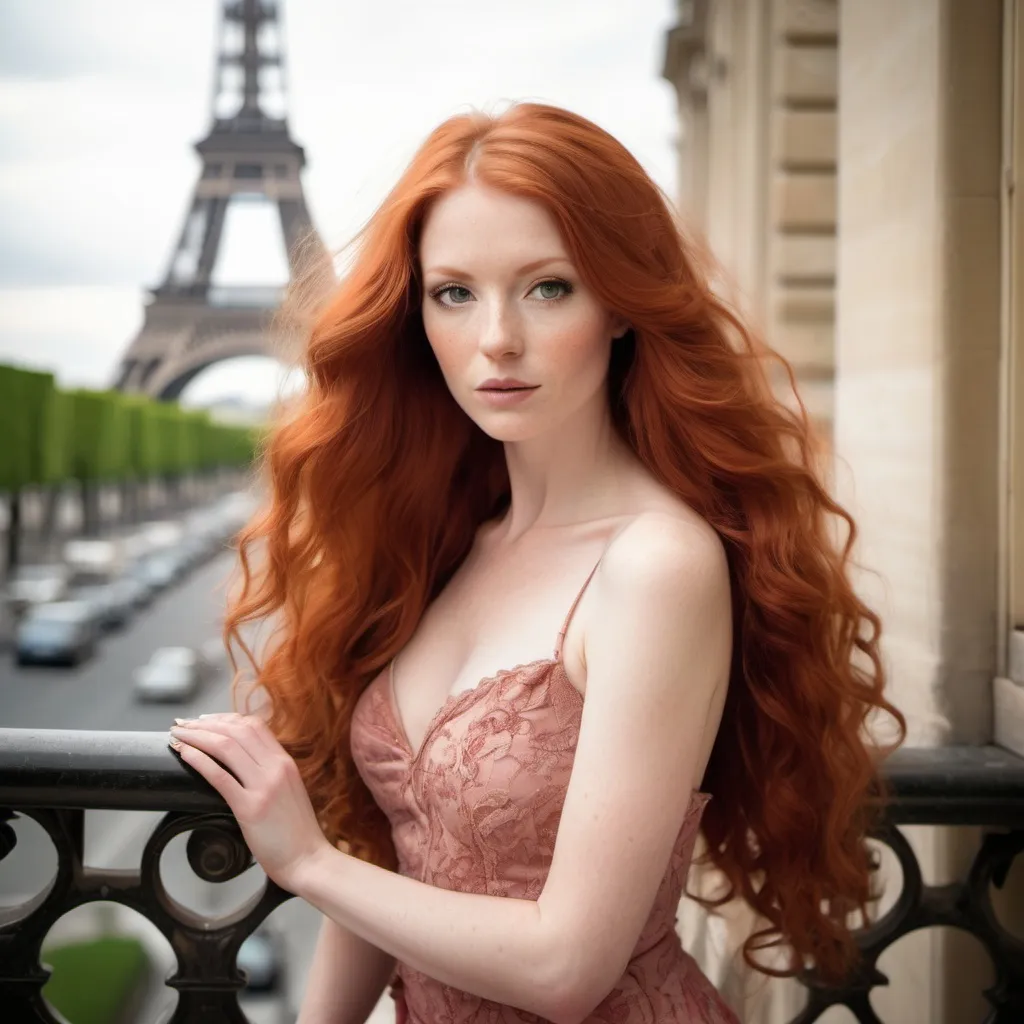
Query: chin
[508,434]
[524,430]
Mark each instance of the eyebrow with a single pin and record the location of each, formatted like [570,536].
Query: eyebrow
[535,265]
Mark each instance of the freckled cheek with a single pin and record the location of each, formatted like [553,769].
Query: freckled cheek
[577,354]
[453,347]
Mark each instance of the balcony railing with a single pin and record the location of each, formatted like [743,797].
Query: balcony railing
[54,776]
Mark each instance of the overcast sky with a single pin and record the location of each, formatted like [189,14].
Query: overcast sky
[101,100]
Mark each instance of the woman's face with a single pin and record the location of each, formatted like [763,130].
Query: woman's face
[501,299]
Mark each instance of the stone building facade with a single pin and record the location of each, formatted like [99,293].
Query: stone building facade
[854,166]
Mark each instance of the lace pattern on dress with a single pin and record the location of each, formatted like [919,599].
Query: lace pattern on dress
[476,809]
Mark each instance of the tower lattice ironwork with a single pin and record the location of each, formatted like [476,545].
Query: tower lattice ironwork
[248,153]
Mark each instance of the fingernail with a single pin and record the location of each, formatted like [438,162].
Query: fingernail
[181,721]
[176,744]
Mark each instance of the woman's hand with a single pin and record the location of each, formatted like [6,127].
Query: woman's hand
[261,785]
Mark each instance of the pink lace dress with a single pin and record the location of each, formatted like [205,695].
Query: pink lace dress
[476,809]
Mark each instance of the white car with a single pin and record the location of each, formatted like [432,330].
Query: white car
[32,585]
[172,673]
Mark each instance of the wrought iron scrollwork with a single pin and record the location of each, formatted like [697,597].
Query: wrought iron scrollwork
[8,838]
[206,977]
[217,851]
[965,904]
[53,777]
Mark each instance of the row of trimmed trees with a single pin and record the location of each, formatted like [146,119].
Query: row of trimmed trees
[50,437]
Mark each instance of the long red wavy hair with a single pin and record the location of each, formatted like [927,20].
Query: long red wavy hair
[379,481]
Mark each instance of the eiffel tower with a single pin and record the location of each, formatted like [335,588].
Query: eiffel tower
[189,322]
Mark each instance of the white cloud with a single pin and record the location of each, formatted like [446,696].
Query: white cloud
[99,108]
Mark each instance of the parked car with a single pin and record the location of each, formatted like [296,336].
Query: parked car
[195,549]
[163,534]
[261,958]
[140,572]
[157,571]
[215,654]
[62,632]
[134,590]
[94,561]
[209,530]
[113,604]
[171,674]
[36,584]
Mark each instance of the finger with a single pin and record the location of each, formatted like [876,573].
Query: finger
[225,714]
[243,729]
[211,717]
[222,780]
[226,749]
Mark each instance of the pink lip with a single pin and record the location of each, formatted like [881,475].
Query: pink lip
[501,398]
[496,383]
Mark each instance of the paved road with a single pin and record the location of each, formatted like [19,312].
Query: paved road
[98,694]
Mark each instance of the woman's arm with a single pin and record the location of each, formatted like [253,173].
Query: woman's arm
[658,645]
[346,978]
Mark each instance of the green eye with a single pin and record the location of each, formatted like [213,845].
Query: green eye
[553,289]
[454,300]
[457,295]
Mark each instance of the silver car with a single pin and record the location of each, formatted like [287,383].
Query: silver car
[171,674]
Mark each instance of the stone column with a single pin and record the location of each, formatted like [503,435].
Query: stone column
[917,398]
[917,351]
[800,256]
[756,81]
[1009,690]
[685,66]
[738,102]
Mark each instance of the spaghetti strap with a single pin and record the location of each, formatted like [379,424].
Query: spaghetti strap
[586,583]
[572,608]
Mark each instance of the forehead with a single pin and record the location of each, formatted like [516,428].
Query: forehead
[486,228]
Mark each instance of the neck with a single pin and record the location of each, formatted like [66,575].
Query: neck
[581,472]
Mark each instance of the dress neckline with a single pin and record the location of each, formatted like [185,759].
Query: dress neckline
[458,700]
[453,698]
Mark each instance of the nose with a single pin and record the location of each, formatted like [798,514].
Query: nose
[501,333]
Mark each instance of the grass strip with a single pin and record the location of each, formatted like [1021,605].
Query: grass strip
[92,980]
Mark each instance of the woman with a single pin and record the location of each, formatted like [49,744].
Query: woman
[526,408]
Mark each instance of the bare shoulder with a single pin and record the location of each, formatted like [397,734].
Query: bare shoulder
[671,551]
[663,595]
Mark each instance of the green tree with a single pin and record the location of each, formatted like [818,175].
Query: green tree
[34,437]
[143,457]
[99,450]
